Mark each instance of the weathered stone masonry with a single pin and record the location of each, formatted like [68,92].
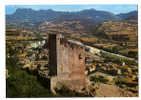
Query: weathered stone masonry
[66,62]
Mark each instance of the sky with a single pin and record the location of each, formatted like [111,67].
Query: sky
[114,8]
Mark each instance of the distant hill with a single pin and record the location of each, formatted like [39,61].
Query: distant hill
[30,15]
[119,30]
[130,15]
[88,21]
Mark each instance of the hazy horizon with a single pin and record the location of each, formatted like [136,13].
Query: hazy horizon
[116,8]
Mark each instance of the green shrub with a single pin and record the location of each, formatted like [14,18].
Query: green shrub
[98,79]
[22,84]
[66,92]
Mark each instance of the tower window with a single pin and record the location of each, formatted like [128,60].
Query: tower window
[80,56]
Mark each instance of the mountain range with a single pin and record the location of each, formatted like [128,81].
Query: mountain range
[91,15]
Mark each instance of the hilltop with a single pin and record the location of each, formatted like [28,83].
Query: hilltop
[30,15]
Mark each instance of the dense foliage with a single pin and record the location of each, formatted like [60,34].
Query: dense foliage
[22,84]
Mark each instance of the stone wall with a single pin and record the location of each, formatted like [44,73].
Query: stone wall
[68,61]
[52,55]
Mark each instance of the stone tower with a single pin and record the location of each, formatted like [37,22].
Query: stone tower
[66,62]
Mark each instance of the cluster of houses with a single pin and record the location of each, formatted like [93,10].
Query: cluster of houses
[34,56]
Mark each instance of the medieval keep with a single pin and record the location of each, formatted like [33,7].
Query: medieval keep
[66,62]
